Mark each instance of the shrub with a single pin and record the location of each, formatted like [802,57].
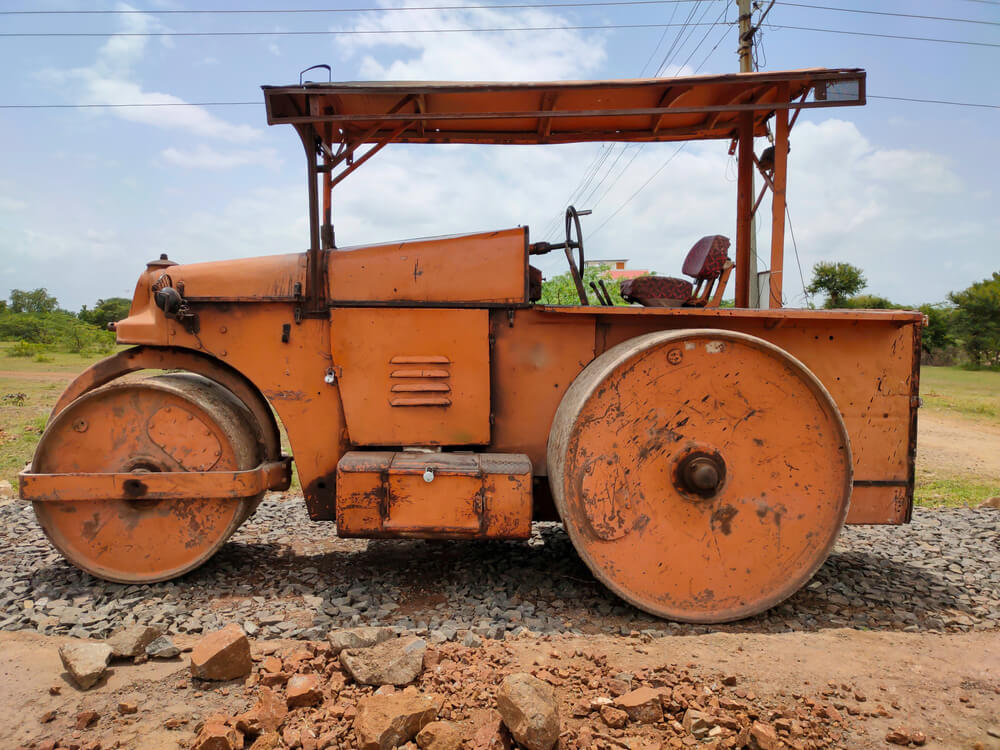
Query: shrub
[23,349]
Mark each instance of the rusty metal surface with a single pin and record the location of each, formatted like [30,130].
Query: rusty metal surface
[434,495]
[107,431]
[259,351]
[168,485]
[655,109]
[702,475]
[379,350]
[863,358]
[151,358]
[489,268]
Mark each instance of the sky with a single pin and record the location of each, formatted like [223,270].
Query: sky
[907,191]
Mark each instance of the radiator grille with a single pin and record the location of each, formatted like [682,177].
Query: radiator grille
[420,380]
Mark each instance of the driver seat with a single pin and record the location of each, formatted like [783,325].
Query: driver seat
[707,263]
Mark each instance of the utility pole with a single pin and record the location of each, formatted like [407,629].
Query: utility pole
[746,66]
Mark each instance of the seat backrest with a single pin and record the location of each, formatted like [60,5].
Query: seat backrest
[707,258]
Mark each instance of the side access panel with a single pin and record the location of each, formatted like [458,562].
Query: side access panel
[486,269]
[413,376]
[427,495]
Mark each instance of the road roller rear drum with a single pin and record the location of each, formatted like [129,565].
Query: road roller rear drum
[702,475]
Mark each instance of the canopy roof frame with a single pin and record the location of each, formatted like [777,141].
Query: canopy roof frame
[347,116]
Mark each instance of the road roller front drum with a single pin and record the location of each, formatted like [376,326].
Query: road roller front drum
[166,423]
[702,475]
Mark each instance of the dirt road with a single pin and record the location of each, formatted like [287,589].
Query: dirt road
[959,446]
[947,687]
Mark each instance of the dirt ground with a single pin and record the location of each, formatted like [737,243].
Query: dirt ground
[945,686]
[959,445]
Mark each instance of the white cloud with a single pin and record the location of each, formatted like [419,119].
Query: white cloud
[889,211]
[11,204]
[110,79]
[488,56]
[205,157]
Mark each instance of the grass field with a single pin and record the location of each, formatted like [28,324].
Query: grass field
[970,393]
[29,389]
[972,396]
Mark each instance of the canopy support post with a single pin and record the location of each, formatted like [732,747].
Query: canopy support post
[315,292]
[778,202]
[744,203]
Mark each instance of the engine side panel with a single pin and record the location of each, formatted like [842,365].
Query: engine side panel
[413,376]
[484,269]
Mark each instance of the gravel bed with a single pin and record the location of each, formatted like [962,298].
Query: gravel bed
[282,575]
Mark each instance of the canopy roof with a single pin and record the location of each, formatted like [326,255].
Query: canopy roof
[648,109]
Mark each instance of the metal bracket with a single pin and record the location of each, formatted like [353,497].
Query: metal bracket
[166,485]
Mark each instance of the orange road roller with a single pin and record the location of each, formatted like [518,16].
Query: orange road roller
[703,459]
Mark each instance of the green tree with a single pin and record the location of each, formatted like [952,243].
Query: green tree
[977,320]
[36,301]
[560,290]
[838,281]
[870,302]
[106,311]
[937,334]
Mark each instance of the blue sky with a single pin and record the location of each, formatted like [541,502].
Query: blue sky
[907,191]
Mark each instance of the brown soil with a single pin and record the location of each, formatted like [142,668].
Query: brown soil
[945,686]
[954,445]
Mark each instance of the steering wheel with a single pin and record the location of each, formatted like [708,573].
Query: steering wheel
[576,271]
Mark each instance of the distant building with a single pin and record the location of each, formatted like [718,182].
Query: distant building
[618,270]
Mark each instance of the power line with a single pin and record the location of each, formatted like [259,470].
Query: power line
[323,32]
[262,11]
[643,145]
[936,101]
[667,60]
[641,187]
[363,32]
[671,53]
[887,13]
[518,6]
[888,36]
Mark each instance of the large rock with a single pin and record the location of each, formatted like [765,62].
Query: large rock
[387,721]
[357,638]
[697,723]
[530,711]
[132,641]
[763,736]
[86,661]
[616,718]
[222,655]
[439,735]
[266,716]
[395,662]
[303,690]
[642,705]
[162,648]
[218,736]
[488,731]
